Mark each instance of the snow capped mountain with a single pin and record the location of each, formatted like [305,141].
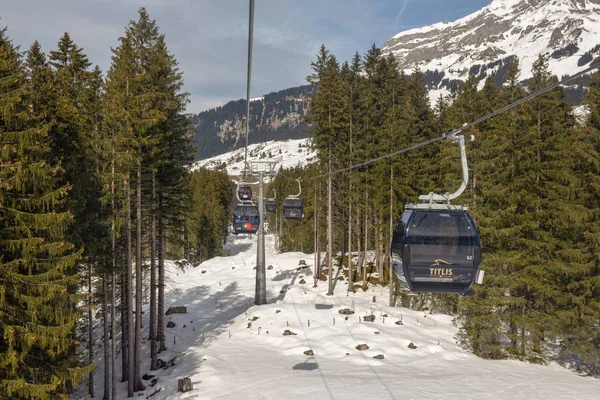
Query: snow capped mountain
[289,153]
[566,30]
[481,44]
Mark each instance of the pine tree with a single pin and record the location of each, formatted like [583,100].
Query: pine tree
[578,317]
[499,219]
[118,150]
[38,307]
[146,119]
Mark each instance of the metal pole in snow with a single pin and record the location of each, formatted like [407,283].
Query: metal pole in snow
[260,296]
[250,40]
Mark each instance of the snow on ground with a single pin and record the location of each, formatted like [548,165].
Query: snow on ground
[232,349]
[289,153]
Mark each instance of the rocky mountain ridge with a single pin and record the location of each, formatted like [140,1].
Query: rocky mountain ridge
[275,116]
[482,43]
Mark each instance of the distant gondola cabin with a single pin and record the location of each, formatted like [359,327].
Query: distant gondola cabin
[246,219]
[292,209]
[245,193]
[270,206]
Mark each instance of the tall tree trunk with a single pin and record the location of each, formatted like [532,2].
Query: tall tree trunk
[378,267]
[124,319]
[153,343]
[319,234]
[350,277]
[513,332]
[90,332]
[105,322]
[315,241]
[329,223]
[392,300]
[359,265]
[523,336]
[113,330]
[329,232]
[113,305]
[137,362]
[128,262]
[161,278]
[366,243]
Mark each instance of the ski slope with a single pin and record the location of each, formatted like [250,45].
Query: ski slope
[232,349]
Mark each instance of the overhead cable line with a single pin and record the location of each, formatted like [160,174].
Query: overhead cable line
[462,128]
[250,40]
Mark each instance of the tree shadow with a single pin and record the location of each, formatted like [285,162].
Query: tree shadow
[286,275]
[308,365]
[237,248]
[335,279]
[208,316]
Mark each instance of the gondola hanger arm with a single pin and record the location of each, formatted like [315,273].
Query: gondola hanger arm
[447,197]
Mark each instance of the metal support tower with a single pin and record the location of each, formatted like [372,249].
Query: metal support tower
[260,295]
[261,169]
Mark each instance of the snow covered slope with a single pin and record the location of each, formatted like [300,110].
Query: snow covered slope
[563,29]
[289,153]
[232,349]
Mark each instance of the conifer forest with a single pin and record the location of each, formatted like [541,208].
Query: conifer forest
[96,192]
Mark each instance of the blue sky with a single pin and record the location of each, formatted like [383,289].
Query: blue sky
[209,37]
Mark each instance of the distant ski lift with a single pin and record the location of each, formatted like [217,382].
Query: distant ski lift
[292,206]
[245,193]
[246,218]
[292,209]
[271,204]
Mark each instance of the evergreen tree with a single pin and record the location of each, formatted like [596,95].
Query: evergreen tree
[145,119]
[38,307]
[209,217]
[581,283]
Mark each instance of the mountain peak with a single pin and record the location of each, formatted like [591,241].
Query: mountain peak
[561,29]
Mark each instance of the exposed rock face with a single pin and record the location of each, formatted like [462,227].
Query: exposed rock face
[504,26]
[446,53]
[275,116]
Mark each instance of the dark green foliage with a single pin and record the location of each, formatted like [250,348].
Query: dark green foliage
[38,311]
[209,217]
[533,192]
[295,235]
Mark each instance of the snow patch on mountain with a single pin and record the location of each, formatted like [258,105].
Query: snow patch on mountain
[562,29]
[287,154]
